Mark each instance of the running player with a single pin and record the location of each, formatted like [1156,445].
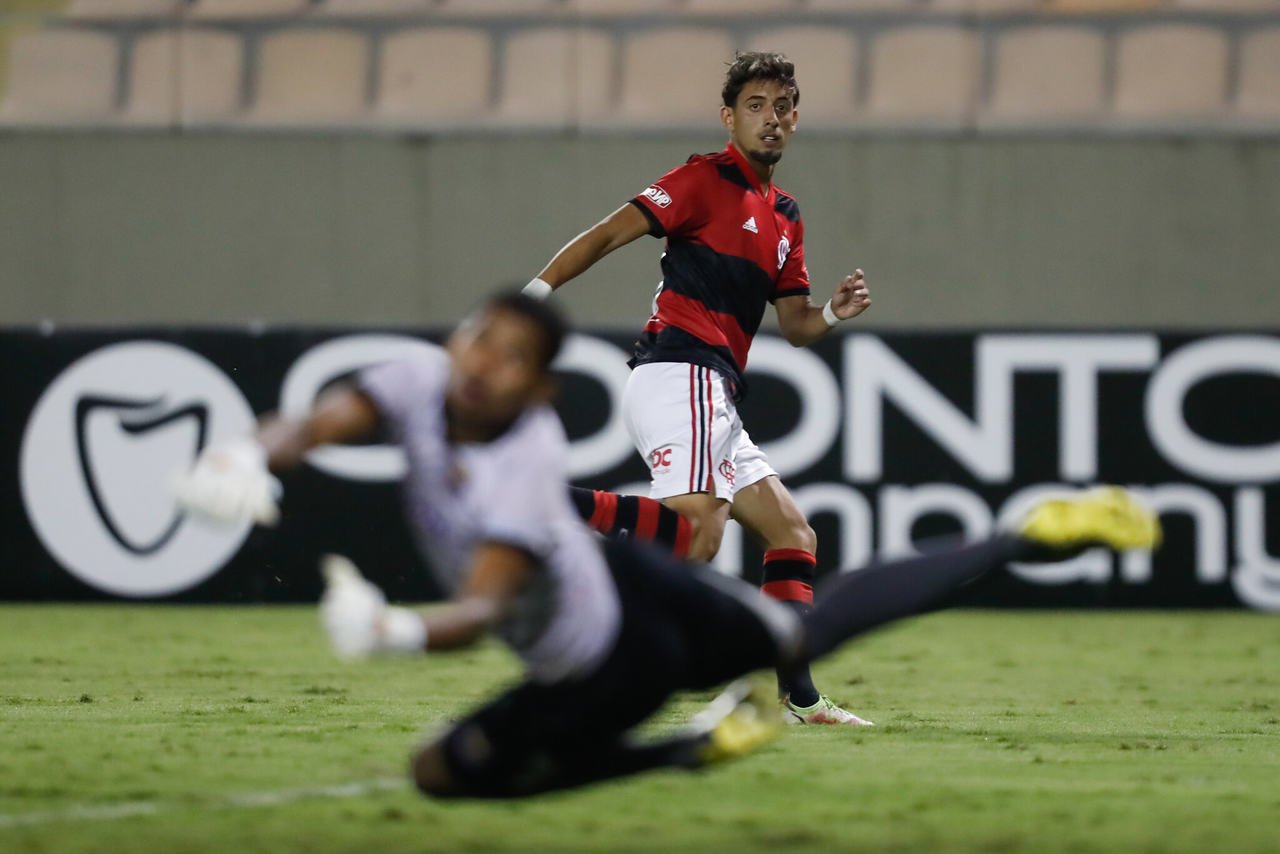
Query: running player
[734,243]
[606,633]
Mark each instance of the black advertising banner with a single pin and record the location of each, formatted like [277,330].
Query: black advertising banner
[885,440]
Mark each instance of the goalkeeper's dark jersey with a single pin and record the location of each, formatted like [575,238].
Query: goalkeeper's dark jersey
[732,247]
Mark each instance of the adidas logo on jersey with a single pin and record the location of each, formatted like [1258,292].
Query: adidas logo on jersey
[750,225]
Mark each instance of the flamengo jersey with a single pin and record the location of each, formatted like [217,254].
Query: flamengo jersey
[511,490]
[732,246]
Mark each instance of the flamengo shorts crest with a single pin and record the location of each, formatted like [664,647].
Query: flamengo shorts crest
[686,427]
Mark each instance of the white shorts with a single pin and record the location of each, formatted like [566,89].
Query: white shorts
[686,427]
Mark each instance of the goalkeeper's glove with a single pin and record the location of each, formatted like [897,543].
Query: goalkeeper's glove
[230,483]
[357,618]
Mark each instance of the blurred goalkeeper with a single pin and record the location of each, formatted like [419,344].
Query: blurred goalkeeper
[607,631]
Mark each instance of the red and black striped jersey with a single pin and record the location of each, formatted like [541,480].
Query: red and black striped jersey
[733,245]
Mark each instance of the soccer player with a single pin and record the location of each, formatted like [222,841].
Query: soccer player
[607,632]
[734,241]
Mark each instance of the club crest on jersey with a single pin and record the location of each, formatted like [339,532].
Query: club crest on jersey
[784,249]
[657,195]
[660,459]
[727,471]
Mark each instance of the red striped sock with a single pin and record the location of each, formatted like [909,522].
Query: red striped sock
[634,516]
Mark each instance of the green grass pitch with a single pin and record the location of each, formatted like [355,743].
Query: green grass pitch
[155,728]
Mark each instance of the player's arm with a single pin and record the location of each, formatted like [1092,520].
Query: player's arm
[231,482]
[801,322]
[360,623]
[498,573]
[341,414]
[616,230]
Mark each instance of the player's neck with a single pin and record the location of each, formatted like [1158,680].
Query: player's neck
[458,431]
[762,171]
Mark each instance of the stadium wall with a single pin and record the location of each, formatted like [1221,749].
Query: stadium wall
[954,231]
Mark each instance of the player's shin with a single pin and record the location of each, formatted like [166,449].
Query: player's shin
[788,577]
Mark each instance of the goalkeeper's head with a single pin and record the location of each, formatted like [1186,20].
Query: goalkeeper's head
[502,357]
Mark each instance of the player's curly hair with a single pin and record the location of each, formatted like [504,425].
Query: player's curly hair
[758,65]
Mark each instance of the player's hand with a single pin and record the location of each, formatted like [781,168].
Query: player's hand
[230,483]
[350,608]
[356,617]
[852,296]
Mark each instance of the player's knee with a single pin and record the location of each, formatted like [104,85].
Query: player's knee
[430,772]
[705,534]
[805,535]
[792,533]
[706,515]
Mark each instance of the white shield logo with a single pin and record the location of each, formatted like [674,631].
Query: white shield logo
[99,452]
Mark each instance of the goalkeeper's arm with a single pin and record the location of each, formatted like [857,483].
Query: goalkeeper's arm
[360,623]
[341,414]
[233,481]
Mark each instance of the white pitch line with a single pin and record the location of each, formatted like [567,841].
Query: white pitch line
[246,800]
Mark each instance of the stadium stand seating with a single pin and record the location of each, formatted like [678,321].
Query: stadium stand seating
[1171,71]
[184,76]
[1259,93]
[742,6]
[124,9]
[827,85]
[1101,7]
[60,76]
[1048,72]
[240,9]
[943,89]
[672,75]
[985,7]
[471,8]
[571,83]
[1112,64]
[370,8]
[310,75]
[623,7]
[435,76]
[1226,6]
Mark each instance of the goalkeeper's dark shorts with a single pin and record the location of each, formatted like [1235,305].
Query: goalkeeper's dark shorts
[683,627]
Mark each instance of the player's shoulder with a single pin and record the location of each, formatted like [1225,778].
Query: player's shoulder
[710,157]
[412,370]
[536,436]
[545,427]
[786,204]
[425,365]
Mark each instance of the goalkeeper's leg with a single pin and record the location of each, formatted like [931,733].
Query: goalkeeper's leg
[1054,530]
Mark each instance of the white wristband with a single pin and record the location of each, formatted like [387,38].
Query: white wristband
[402,630]
[537,289]
[829,315]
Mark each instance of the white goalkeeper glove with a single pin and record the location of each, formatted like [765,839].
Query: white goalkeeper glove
[230,483]
[357,618]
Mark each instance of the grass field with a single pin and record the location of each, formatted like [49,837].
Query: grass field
[126,728]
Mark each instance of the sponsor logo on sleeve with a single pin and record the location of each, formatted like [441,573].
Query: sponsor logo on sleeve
[657,195]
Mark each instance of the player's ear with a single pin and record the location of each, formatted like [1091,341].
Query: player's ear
[795,120]
[726,118]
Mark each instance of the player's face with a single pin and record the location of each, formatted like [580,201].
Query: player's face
[498,370]
[762,121]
